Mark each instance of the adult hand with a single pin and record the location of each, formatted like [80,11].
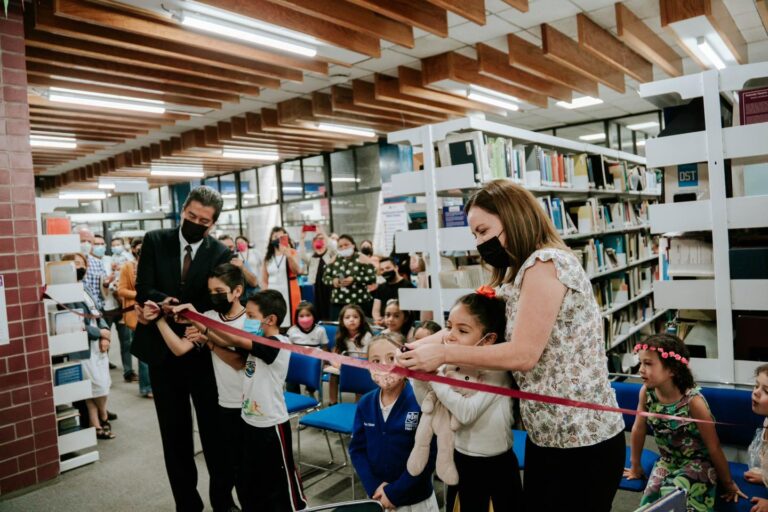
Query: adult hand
[760,505]
[150,311]
[177,310]
[105,333]
[424,357]
[732,492]
[754,477]
[103,345]
[236,262]
[336,282]
[347,281]
[634,473]
[193,334]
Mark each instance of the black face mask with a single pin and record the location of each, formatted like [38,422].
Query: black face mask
[493,253]
[80,273]
[192,231]
[367,251]
[220,302]
[275,243]
[389,275]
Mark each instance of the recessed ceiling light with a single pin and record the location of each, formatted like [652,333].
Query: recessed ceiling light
[592,137]
[584,101]
[643,126]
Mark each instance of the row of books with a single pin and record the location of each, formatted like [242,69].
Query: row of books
[67,419]
[592,216]
[618,326]
[622,288]
[614,251]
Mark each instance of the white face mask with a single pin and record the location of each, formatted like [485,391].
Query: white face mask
[85,247]
[117,250]
[385,380]
[346,253]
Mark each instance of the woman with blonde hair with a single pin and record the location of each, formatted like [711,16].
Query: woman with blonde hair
[555,347]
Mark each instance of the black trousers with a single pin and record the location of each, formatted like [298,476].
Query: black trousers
[585,479]
[270,480]
[231,427]
[483,480]
[174,383]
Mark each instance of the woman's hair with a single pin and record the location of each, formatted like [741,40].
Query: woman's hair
[398,340]
[228,274]
[429,325]
[71,257]
[763,368]
[242,237]
[407,316]
[342,333]
[351,240]
[489,312]
[271,248]
[304,305]
[525,224]
[682,377]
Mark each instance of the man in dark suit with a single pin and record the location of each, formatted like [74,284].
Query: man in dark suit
[174,268]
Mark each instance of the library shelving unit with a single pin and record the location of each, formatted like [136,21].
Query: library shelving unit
[73,446]
[435,181]
[718,214]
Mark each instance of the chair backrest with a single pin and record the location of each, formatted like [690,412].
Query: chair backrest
[330,331]
[355,380]
[627,395]
[305,370]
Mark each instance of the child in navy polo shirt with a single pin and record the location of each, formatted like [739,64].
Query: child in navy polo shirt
[384,431]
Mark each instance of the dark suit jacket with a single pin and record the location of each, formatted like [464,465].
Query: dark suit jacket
[159,276]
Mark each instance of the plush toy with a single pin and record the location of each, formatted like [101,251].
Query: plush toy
[437,420]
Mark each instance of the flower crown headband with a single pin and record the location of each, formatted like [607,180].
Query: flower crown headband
[486,291]
[662,353]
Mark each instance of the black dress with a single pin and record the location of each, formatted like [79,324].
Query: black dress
[322,292]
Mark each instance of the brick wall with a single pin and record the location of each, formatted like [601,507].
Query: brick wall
[28,449]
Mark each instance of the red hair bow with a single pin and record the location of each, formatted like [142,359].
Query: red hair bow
[486,291]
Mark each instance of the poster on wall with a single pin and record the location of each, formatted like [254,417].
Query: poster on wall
[395,218]
[5,338]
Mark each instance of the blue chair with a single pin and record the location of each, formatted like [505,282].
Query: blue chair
[307,371]
[330,331]
[338,418]
[627,395]
[518,445]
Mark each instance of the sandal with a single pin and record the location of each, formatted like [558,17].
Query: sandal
[104,434]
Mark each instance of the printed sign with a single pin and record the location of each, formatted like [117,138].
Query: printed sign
[688,175]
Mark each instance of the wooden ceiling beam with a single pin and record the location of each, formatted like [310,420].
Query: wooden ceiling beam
[353,17]
[643,40]
[165,118]
[561,48]
[50,71]
[458,68]
[46,81]
[520,5]
[322,108]
[298,21]
[762,10]
[342,100]
[411,82]
[63,118]
[603,45]
[228,137]
[249,127]
[528,57]
[495,63]
[64,123]
[120,20]
[270,123]
[418,13]
[473,10]
[388,88]
[364,95]
[304,113]
[107,65]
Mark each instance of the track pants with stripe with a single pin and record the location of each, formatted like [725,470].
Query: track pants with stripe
[270,482]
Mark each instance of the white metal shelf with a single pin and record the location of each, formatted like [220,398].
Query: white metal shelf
[676,217]
[66,293]
[447,178]
[747,212]
[609,271]
[745,141]
[67,343]
[618,307]
[685,294]
[80,460]
[635,329]
[77,440]
[677,149]
[598,234]
[749,294]
[58,244]
[424,299]
[72,392]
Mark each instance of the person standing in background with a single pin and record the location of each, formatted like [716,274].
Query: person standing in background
[251,281]
[126,291]
[349,278]
[316,265]
[281,269]
[112,265]
[253,258]
[95,270]
[389,290]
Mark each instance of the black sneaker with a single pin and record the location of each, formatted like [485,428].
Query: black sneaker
[112,366]
[111,416]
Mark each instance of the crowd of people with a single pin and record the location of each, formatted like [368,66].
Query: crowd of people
[537,328]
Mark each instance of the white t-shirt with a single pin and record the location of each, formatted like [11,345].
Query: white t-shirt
[228,380]
[314,338]
[263,401]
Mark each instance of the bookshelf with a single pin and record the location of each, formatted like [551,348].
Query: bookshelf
[73,445]
[566,187]
[716,215]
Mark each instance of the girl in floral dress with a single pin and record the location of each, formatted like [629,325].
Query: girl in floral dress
[691,456]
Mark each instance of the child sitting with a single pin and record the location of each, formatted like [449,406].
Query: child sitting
[397,320]
[487,466]
[691,456]
[307,332]
[384,429]
[758,450]
[352,338]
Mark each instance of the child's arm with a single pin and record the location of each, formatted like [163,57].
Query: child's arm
[233,358]
[323,339]
[700,411]
[637,441]
[358,454]
[179,346]
[398,491]
[466,409]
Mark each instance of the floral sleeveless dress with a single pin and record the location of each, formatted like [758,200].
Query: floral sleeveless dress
[685,462]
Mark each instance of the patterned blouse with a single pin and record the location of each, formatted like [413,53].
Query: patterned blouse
[573,364]
[356,293]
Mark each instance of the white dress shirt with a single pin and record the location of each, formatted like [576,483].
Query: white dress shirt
[184,244]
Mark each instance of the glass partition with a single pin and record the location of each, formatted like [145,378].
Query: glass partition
[314,176]
[290,174]
[343,177]
[267,184]
[258,222]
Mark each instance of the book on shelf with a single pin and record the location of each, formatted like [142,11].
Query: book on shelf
[624,324]
[622,288]
[753,106]
[67,372]
[454,216]
[60,272]
[466,276]
[686,256]
[66,322]
[465,148]
[56,224]
[604,253]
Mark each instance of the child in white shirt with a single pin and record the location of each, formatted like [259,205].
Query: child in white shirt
[307,332]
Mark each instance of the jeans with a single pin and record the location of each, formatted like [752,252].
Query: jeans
[125,335]
[145,386]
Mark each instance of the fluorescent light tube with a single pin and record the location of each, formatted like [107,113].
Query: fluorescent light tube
[82,194]
[104,95]
[592,137]
[43,143]
[642,142]
[95,102]
[709,53]
[349,130]
[107,186]
[231,30]
[345,180]
[584,101]
[248,155]
[491,97]
[643,126]
[176,174]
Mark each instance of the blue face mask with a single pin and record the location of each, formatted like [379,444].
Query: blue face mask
[253,326]
[99,250]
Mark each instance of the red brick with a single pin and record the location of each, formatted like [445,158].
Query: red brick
[23,211]
[29,295]
[12,296]
[12,381]
[15,347]
[7,262]
[5,175]
[11,280]
[21,160]
[23,195]
[27,261]
[5,209]
[17,448]
[47,455]
[21,396]
[39,375]
[44,423]
[29,311]
[14,414]
[14,313]
[27,461]
[16,330]
[42,407]
[35,328]
[47,472]
[16,363]
[46,439]
[34,342]
[20,480]
[6,400]
[12,44]
[40,391]
[9,467]
[29,278]
[23,428]
[6,228]
[16,111]
[15,77]
[7,433]
[14,94]
[12,60]
[24,227]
